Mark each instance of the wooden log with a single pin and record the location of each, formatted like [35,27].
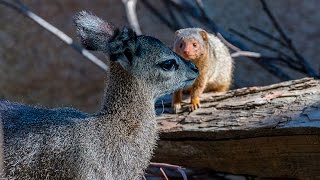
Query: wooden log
[270,131]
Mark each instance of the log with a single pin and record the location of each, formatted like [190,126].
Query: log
[269,131]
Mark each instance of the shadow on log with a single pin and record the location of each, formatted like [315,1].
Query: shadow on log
[270,131]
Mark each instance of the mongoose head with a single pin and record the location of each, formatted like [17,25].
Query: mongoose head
[191,43]
[144,58]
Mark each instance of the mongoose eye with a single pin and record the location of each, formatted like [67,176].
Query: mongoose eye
[181,45]
[168,65]
[195,44]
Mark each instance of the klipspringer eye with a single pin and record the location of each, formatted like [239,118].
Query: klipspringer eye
[169,65]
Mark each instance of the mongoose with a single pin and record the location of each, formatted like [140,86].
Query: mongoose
[118,141]
[211,57]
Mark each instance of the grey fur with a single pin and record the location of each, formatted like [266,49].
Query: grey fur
[223,69]
[220,63]
[89,26]
[117,142]
[188,33]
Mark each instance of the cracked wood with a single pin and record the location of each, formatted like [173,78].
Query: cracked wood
[269,131]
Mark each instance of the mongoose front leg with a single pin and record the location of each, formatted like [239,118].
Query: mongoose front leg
[211,57]
[196,90]
[176,101]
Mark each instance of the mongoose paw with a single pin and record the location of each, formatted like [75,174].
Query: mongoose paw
[195,104]
[176,107]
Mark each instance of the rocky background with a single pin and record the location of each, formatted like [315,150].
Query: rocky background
[37,68]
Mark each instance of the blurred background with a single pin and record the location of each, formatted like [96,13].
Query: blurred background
[38,68]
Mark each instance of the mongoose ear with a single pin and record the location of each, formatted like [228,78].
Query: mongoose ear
[94,33]
[123,46]
[204,35]
[177,32]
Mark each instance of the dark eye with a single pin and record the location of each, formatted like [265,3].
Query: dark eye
[181,45]
[168,65]
[195,45]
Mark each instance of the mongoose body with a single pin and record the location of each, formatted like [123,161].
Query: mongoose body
[211,57]
[115,143]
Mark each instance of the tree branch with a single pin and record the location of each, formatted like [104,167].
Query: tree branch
[310,71]
[202,17]
[130,6]
[185,19]
[258,43]
[268,35]
[24,10]
[162,166]
[246,54]
[286,59]
[158,14]
[236,44]
[170,11]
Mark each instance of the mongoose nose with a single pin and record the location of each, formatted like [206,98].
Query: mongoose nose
[185,52]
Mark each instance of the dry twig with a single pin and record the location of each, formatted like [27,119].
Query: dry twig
[269,63]
[130,6]
[310,71]
[24,10]
[163,166]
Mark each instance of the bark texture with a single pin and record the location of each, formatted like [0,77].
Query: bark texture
[269,131]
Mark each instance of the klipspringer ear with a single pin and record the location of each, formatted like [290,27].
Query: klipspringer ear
[98,35]
[94,33]
[123,46]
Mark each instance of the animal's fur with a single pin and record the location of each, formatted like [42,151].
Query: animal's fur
[211,57]
[117,142]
